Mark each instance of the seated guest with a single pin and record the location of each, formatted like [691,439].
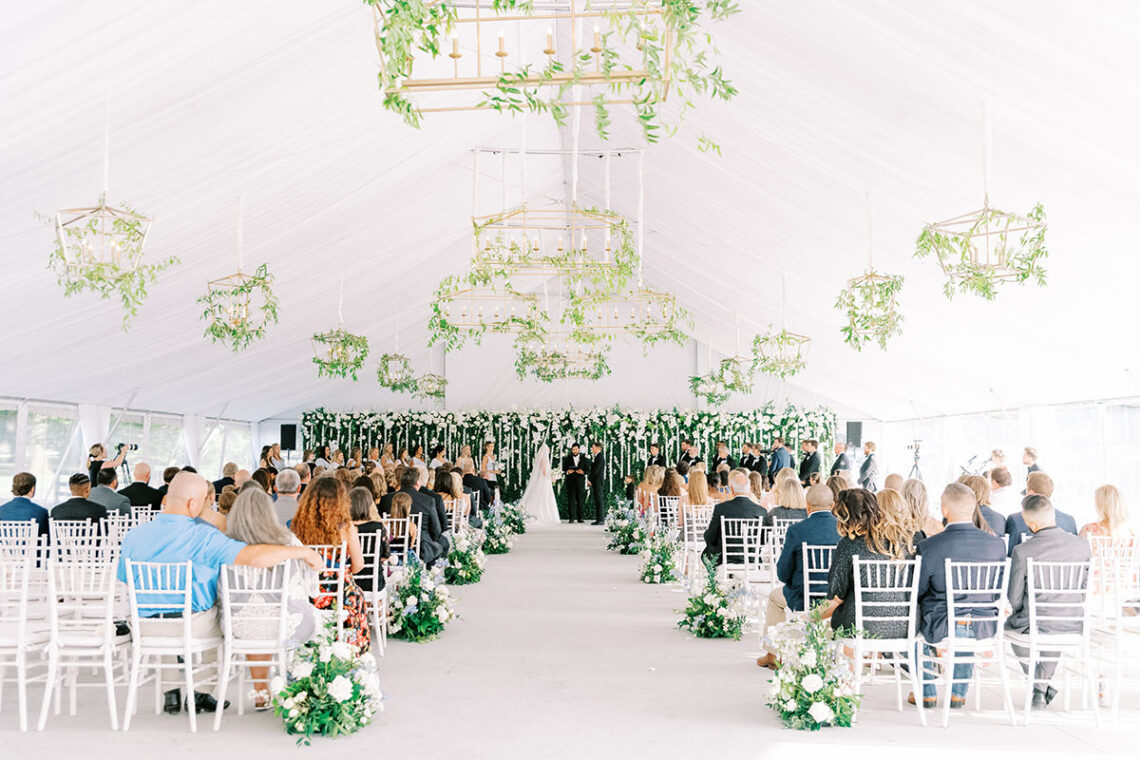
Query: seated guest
[227,479]
[817,529]
[426,477]
[756,483]
[305,474]
[790,501]
[672,485]
[174,536]
[981,488]
[696,491]
[160,493]
[401,509]
[226,500]
[630,484]
[366,520]
[323,518]
[837,483]
[740,506]
[1003,496]
[1111,514]
[1038,484]
[715,494]
[650,485]
[961,541]
[394,482]
[722,474]
[22,508]
[683,471]
[79,507]
[241,477]
[139,493]
[772,498]
[261,477]
[894,481]
[104,493]
[1050,544]
[474,519]
[288,484]
[914,494]
[433,544]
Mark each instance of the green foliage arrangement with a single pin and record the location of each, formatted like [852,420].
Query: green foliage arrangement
[394,372]
[658,558]
[499,536]
[239,330]
[779,354]
[465,561]
[344,353]
[627,533]
[514,517]
[549,364]
[431,386]
[421,606]
[444,329]
[719,609]
[709,388]
[868,303]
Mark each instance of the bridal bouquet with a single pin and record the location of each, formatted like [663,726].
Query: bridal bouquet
[658,563]
[421,606]
[627,534]
[465,561]
[719,609]
[813,686]
[330,691]
[499,537]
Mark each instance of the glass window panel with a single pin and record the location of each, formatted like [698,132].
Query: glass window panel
[52,454]
[210,462]
[238,444]
[7,451]
[167,448]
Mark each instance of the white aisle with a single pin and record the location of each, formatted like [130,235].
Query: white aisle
[562,653]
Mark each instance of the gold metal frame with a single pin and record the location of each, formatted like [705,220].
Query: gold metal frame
[530,224]
[477,300]
[237,311]
[604,314]
[430,385]
[788,354]
[858,287]
[987,257]
[109,253]
[558,353]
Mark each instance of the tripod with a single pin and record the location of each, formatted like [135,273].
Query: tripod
[915,472]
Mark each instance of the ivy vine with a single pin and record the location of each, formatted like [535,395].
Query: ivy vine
[431,386]
[869,305]
[395,373]
[344,353]
[779,354]
[228,309]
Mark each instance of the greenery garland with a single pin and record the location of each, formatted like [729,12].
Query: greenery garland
[551,364]
[239,333]
[1023,258]
[345,353]
[709,388]
[394,372]
[732,375]
[868,303]
[765,347]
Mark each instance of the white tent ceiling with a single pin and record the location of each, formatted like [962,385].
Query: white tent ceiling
[277,102]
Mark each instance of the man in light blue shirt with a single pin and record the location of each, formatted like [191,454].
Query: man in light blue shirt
[105,493]
[22,508]
[178,535]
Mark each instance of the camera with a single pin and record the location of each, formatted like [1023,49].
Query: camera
[128,446]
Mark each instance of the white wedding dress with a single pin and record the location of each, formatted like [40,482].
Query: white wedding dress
[538,499]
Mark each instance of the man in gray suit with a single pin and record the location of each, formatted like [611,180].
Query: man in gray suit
[1049,544]
[104,493]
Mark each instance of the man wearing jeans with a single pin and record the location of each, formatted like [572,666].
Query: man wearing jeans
[960,542]
[177,535]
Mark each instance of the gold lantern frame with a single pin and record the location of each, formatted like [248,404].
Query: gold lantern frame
[479,308]
[782,354]
[982,239]
[558,356]
[101,239]
[431,386]
[604,314]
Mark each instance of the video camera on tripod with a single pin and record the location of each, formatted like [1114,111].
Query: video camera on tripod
[916,447]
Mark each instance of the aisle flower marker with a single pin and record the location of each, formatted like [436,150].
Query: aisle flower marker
[465,561]
[421,606]
[719,609]
[627,534]
[499,535]
[659,563]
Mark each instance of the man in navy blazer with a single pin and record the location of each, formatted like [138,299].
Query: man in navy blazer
[781,458]
[1039,484]
[961,542]
[22,508]
[741,506]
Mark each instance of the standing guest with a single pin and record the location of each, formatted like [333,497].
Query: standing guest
[781,458]
[167,476]
[869,471]
[323,518]
[288,485]
[263,460]
[355,458]
[139,493]
[1111,514]
[810,462]
[791,504]
[388,456]
[722,457]
[176,536]
[686,455]
[760,464]
[276,458]
[914,493]
[227,479]
[1029,459]
[961,541]
[1003,497]
[655,456]
[598,482]
[104,493]
[747,458]
[309,457]
[695,459]
[1038,484]
[1050,544]
[97,460]
[79,507]
[366,520]
[373,457]
[818,529]
[21,508]
[842,459]
[403,457]
[324,457]
[418,455]
[630,484]
[981,488]
[740,506]
[489,466]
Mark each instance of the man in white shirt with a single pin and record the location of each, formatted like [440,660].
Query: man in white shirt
[1003,497]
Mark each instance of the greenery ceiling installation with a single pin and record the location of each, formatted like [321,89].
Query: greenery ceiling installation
[468,306]
[394,372]
[339,353]
[647,315]
[734,374]
[240,307]
[512,56]
[431,386]
[870,307]
[558,356]
[100,249]
[781,354]
[980,250]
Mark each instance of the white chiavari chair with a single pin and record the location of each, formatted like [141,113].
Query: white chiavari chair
[739,546]
[79,540]
[330,583]
[142,514]
[816,565]
[370,580]
[693,527]
[20,635]
[456,516]
[665,516]
[1115,604]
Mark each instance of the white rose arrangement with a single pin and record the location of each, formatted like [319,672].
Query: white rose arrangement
[813,685]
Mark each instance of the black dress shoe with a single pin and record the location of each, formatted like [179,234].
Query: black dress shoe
[206,703]
[1039,702]
[173,703]
[1050,694]
[597,522]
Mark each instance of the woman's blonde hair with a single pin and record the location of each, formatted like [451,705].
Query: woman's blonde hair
[893,533]
[756,481]
[790,493]
[253,520]
[1110,508]
[917,501]
[785,475]
[654,477]
[981,488]
[698,488]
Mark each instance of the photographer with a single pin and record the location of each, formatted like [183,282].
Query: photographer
[97,460]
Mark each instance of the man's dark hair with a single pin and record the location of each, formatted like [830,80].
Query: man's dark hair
[575,445]
[654,446]
[106,476]
[1036,504]
[687,441]
[410,478]
[683,469]
[23,483]
[596,445]
[79,479]
[188,468]
[169,473]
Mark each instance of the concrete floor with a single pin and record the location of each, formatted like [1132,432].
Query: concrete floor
[561,653]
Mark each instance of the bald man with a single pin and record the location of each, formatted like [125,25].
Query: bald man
[894,482]
[241,477]
[178,535]
[139,491]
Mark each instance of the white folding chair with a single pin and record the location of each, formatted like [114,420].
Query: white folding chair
[370,546]
[456,516]
[254,607]
[330,581]
[739,542]
[666,515]
[81,594]
[1116,598]
[816,564]
[78,540]
[142,514]
[164,589]
[975,593]
[693,538]
[20,539]
[886,595]
[1060,626]
[115,526]
[20,635]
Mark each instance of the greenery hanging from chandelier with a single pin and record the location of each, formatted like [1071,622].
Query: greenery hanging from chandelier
[734,374]
[395,373]
[234,318]
[454,331]
[869,304]
[344,353]
[709,388]
[431,386]
[780,354]
[564,360]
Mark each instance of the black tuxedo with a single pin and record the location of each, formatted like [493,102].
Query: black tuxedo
[760,464]
[440,508]
[687,458]
[481,487]
[658,460]
[842,462]
[748,461]
[221,483]
[718,461]
[140,494]
[597,485]
[433,544]
[575,487]
[159,495]
[809,464]
[741,506]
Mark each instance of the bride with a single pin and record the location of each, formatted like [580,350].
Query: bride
[538,499]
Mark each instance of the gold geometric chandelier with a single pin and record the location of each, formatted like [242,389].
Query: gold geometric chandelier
[487,307]
[781,354]
[101,238]
[557,356]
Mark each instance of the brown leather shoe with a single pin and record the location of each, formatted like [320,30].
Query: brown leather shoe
[927,702]
[767,661]
[957,703]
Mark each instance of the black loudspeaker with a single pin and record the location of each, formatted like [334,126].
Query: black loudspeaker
[289,437]
[854,434]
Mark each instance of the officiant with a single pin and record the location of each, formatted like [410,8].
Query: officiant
[574,471]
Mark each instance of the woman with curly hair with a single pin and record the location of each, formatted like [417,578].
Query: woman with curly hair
[323,518]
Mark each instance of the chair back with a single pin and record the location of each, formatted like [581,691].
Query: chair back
[397,529]
[1116,581]
[1058,597]
[19,539]
[370,546]
[816,564]
[666,514]
[455,515]
[330,581]
[739,541]
[115,526]
[976,593]
[694,525]
[81,601]
[76,539]
[159,588]
[886,595]
[15,575]
[142,514]
[254,603]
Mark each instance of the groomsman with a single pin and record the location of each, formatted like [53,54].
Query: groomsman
[722,457]
[869,472]
[686,451]
[655,456]
[842,459]
[747,458]
[810,463]
[598,482]
[574,470]
[781,458]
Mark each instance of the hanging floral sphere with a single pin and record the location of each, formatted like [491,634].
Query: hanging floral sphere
[781,354]
[339,353]
[240,307]
[869,303]
[395,373]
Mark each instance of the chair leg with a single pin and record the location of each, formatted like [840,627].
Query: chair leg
[73,690]
[132,689]
[1091,678]
[1007,696]
[1031,682]
[109,676]
[224,682]
[914,660]
[948,681]
[49,684]
[22,689]
[188,669]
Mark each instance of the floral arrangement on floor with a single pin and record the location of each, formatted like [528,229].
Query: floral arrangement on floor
[658,558]
[514,517]
[813,686]
[421,606]
[330,691]
[466,560]
[500,538]
[719,609]
[627,534]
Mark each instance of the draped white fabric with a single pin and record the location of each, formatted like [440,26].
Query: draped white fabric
[94,424]
[194,433]
[277,102]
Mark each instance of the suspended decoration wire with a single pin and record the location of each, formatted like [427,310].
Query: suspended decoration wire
[781,354]
[339,353]
[979,250]
[240,307]
[869,302]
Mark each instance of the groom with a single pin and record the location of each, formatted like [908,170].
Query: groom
[573,468]
[597,482]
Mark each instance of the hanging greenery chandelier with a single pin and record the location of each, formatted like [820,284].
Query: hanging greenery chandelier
[339,353]
[650,316]
[869,302]
[467,307]
[431,386]
[781,354]
[557,356]
[394,372]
